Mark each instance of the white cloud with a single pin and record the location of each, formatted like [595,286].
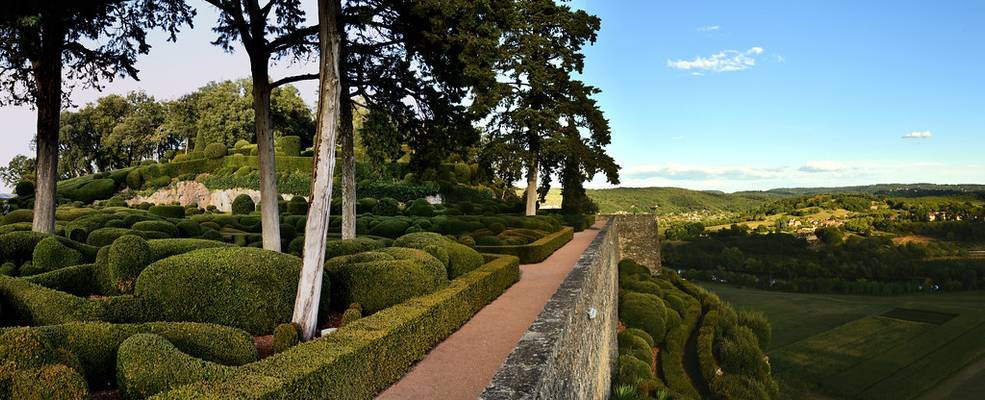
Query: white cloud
[918,135]
[709,28]
[823,166]
[724,61]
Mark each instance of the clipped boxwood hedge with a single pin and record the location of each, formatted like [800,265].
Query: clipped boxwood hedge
[461,258]
[247,288]
[148,364]
[368,355]
[534,252]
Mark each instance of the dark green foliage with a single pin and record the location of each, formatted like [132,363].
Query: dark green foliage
[215,151]
[243,205]
[19,246]
[387,207]
[135,179]
[390,228]
[419,208]
[189,229]
[164,227]
[434,266]
[30,304]
[461,259]
[78,280]
[641,333]
[99,189]
[249,288]
[105,236]
[401,335]
[535,251]
[127,257]
[632,370]
[740,354]
[24,189]
[365,205]
[377,285]
[147,364]
[286,336]
[95,344]
[168,211]
[50,254]
[399,191]
[644,311]
[337,248]
[635,346]
[297,206]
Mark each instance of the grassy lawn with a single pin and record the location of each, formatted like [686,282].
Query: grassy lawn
[844,346]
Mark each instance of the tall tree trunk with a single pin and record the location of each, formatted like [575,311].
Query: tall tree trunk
[532,187]
[269,212]
[348,169]
[310,282]
[48,78]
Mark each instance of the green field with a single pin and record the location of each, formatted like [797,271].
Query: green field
[866,347]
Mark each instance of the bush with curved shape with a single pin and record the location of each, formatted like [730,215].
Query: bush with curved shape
[189,229]
[289,145]
[50,382]
[215,151]
[377,285]
[390,228]
[419,208]
[757,322]
[147,364]
[435,267]
[105,236]
[243,205]
[128,256]
[286,336]
[461,258]
[248,288]
[18,247]
[644,311]
[51,254]
[365,205]
[632,370]
[24,188]
[297,206]
[635,346]
[99,189]
[387,207]
[337,248]
[22,215]
[161,226]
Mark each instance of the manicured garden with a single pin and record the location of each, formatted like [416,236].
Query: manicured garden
[680,341]
[147,300]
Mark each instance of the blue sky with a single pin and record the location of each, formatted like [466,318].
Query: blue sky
[730,95]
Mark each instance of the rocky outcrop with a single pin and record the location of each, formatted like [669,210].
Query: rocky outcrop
[190,193]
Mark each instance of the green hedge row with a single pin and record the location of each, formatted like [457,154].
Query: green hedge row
[93,346]
[534,252]
[368,355]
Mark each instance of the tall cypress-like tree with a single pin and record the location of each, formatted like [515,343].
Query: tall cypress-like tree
[544,110]
[268,32]
[86,41]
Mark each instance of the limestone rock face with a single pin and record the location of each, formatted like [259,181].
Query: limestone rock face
[188,193]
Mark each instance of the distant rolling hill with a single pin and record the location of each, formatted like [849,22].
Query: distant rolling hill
[671,200]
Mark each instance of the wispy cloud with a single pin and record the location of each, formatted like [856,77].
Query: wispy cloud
[918,135]
[709,28]
[724,61]
[814,167]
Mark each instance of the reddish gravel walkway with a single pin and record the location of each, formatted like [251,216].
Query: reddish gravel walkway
[462,365]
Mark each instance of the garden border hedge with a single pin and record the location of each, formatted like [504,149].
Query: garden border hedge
[368,355]
[534,252]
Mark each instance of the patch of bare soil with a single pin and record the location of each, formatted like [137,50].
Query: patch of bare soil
[917,239]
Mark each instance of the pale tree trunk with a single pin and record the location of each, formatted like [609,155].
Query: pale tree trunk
[348,171]
[269,209]
[532,187]
[312,270]
[48,78]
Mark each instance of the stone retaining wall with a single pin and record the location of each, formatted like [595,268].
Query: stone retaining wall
[638,239]
[570,350]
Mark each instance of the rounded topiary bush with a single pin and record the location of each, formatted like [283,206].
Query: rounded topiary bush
[377,285]
[19,246]
[641,333]
[24,189]
[635,346]
[351,314]
[390,228]
[757,322]
[286,336]
[248,288]
[461,258]
[337,248]
[22,215]
[189,228]
[243,205]
[148,364]
[387,207]
[435,267]
[127,257]
[51,254]
[164,227]
[297,206]
[632,370]
[289,145]
[644,311]
[420,208]
[365,205]
[99,189]
[215,151]
[105,236]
